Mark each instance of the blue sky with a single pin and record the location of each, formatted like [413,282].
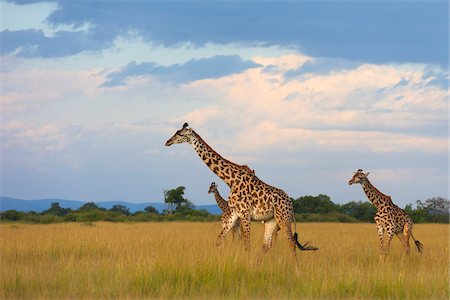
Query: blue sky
[305,92]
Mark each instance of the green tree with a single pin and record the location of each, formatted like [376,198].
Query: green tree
[435,205]
[362,211]
[175,201]
[11,215]
[56,209]
[122,209]
[150,210]
[320,204]
[90,206]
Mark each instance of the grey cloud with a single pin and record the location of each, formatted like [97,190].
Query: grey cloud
[376,32]
[195,69]
[322,66]
[34,43]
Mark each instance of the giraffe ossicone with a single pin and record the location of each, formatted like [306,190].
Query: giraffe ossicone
[389,219]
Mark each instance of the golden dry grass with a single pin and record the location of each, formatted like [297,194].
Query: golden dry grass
[179,260]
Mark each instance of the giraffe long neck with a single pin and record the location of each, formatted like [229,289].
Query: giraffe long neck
[228,171]
[377,198]
[220,201]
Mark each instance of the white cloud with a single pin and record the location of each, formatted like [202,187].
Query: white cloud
[59,118]
[376,107]
[282,63]
[27,90]
[34,16]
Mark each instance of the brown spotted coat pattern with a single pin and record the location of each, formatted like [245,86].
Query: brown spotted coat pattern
[250,198]
[226,211]
[389,219]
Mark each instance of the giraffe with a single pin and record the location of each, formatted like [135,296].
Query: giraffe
[226,211]
[250,197]
[390,219]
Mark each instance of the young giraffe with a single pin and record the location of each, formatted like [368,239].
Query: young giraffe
[226,211]
[389,217]
[250,198]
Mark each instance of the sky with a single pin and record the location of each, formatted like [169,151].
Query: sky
[304,92]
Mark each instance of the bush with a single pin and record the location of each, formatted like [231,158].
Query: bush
[329,217]
[320,204]
[11,215]
[48,219]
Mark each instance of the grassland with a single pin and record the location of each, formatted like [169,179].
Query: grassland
[179,260]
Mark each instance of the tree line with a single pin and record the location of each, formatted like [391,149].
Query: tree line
[307,209]
[321,209]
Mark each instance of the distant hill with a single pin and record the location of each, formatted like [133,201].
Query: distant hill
[7,203]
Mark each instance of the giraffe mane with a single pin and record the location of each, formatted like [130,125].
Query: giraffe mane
[220,156]
[377,190]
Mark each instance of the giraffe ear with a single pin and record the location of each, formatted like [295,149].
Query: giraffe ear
[367,174]
[185,125]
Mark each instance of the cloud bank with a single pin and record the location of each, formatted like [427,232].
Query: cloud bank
[195,69]
[368,31]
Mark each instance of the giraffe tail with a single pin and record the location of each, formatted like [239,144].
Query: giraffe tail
[304,247]
[419,245]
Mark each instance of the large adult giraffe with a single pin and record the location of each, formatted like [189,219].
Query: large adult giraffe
[250,198]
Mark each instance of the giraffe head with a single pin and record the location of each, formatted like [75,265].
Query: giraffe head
[212,188]
[184,135]
[358,177]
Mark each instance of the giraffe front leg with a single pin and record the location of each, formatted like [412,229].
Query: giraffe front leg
[226,227]
[245,226]
[380,232]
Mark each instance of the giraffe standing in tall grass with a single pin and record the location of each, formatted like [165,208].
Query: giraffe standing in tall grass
[390,219]
[250,198]
[226,211]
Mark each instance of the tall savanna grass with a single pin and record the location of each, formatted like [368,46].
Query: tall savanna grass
[179,260]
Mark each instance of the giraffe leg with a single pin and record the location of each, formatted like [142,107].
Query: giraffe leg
[380,232]
[275,235]
[284,221]
[390,235]
[401,238]
[226,227]
[285,226]
[270,228]
[245,226]
[236,231]
[406,234]
[239,230]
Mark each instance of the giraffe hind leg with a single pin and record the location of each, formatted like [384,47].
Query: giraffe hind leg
[390,235]
[270,229]
[402,239]
[406,235]
[236,231]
